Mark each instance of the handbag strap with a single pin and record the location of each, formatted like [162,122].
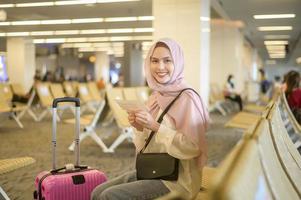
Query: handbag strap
[162,115]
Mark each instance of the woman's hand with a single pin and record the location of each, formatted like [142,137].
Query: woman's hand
[146,120]
[131,118]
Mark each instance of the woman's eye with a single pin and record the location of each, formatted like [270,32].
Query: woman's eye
[154,61]
[167,61]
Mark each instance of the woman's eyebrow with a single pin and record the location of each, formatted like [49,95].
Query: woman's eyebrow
[161,58]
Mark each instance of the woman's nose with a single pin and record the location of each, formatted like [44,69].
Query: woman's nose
[161,65]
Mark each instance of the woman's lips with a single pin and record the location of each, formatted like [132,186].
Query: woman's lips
[162,74]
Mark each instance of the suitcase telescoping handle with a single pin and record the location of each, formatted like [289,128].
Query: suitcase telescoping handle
[77,127]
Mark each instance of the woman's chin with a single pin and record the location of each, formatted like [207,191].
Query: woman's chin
[162,80]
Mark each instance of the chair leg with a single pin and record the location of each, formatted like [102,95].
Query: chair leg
[99,141]
[31,113]
[126,133]
[220,109]
[42,115]
[17,120]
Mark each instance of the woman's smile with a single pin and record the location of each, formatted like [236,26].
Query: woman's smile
[161,74]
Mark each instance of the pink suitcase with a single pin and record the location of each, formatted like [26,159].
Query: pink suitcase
[72,182]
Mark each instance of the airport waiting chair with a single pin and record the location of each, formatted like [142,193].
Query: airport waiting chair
[19,90]
[289,114]
[240,175]
[280,184]
[120,116]
[90,128]
[69,90]
[217,99]
[288,155]
[254,108]
[7,107]
[130,93]
[88,102]
[143,93]
[57,91]
[45,100]
[243,120]
[96,94]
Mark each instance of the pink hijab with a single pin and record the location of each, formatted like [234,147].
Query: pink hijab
[188,114]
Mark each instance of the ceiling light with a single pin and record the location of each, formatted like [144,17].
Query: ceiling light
[121,30]
[93,31]
[35,4]
[37,33]
[75,2]
[60,3]
[67,45]
[98,39]
[277,55]
[275,28]
[274,37]
[113,1]
[39,41]
[274,16]
[121,38]
[275,42]
[56,21]
[298,60]
[2,34]
[55,40]
[273,52]
[5,23]
[79,45]
[275,47]
[67,32]
[90,49]
[7,5]
[76,21]
[17,34]
[87,20]
[33,22]
[76,39]
[120,19]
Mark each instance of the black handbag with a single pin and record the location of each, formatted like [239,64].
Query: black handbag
[158,165]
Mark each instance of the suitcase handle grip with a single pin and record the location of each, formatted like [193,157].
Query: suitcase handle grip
[66,99]
[80,167]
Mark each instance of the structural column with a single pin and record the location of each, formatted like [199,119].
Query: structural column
[132,68]
[187,22]
[21,61]
[102,66]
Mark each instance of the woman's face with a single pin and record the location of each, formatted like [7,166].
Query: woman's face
[161,65]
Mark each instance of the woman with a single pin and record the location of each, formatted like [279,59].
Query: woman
[293,93]
[230,92]
[181,134]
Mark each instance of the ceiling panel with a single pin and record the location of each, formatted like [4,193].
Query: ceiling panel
[245,9]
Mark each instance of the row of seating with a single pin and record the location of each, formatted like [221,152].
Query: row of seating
[46,92]
[265,164]
[17,110]
[126,131]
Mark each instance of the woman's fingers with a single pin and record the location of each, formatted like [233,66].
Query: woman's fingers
[140,120]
